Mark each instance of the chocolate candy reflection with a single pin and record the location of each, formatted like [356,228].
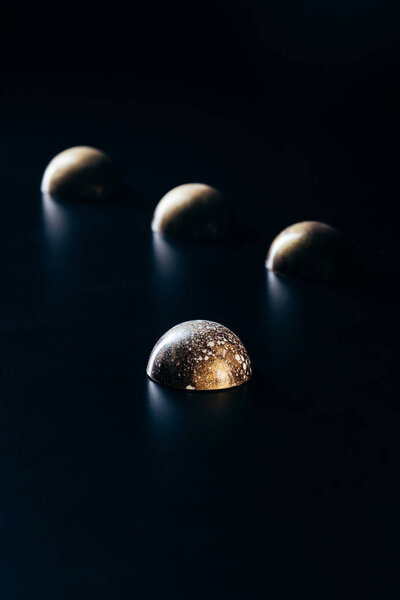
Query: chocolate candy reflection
[194,211]
[310,250]
[81,173]
[199,355]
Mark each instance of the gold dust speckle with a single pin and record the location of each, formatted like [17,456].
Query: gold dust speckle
[176,359]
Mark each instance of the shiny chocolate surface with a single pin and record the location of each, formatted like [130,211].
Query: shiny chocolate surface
[81,173]
[199,355]
[310,250]
[194,211]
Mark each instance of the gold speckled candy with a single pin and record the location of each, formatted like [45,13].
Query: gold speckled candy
[81,173]
[194,211]
[310,250]
[199,355]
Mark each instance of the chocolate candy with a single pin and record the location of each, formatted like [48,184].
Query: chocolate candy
[310,250]
[194,211]
[199,355]
[81,173]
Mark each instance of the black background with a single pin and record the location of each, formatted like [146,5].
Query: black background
[112,486]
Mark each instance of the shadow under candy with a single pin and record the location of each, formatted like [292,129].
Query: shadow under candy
[166,404]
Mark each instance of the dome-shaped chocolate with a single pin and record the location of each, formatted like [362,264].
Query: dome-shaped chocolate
[81,173]
[194,211]
[310,250]
[199,355]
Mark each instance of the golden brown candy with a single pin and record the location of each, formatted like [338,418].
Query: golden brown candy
[199,355]
[81,173]
[194,211]
[310,250]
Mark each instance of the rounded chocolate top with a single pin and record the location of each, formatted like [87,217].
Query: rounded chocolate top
[81,173]
[310,250]
[194,211]
[199,355]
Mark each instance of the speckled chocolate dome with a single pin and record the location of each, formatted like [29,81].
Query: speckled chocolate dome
[310,250]
[81,173]
[194,211]
[199,355]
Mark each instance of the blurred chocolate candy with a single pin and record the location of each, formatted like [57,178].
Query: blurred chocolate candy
[199,355]
[194,211]
[310,250]
[81,173]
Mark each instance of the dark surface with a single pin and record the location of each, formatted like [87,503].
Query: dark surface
[115,487]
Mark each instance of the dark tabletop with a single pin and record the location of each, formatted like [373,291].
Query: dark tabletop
[115,487]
